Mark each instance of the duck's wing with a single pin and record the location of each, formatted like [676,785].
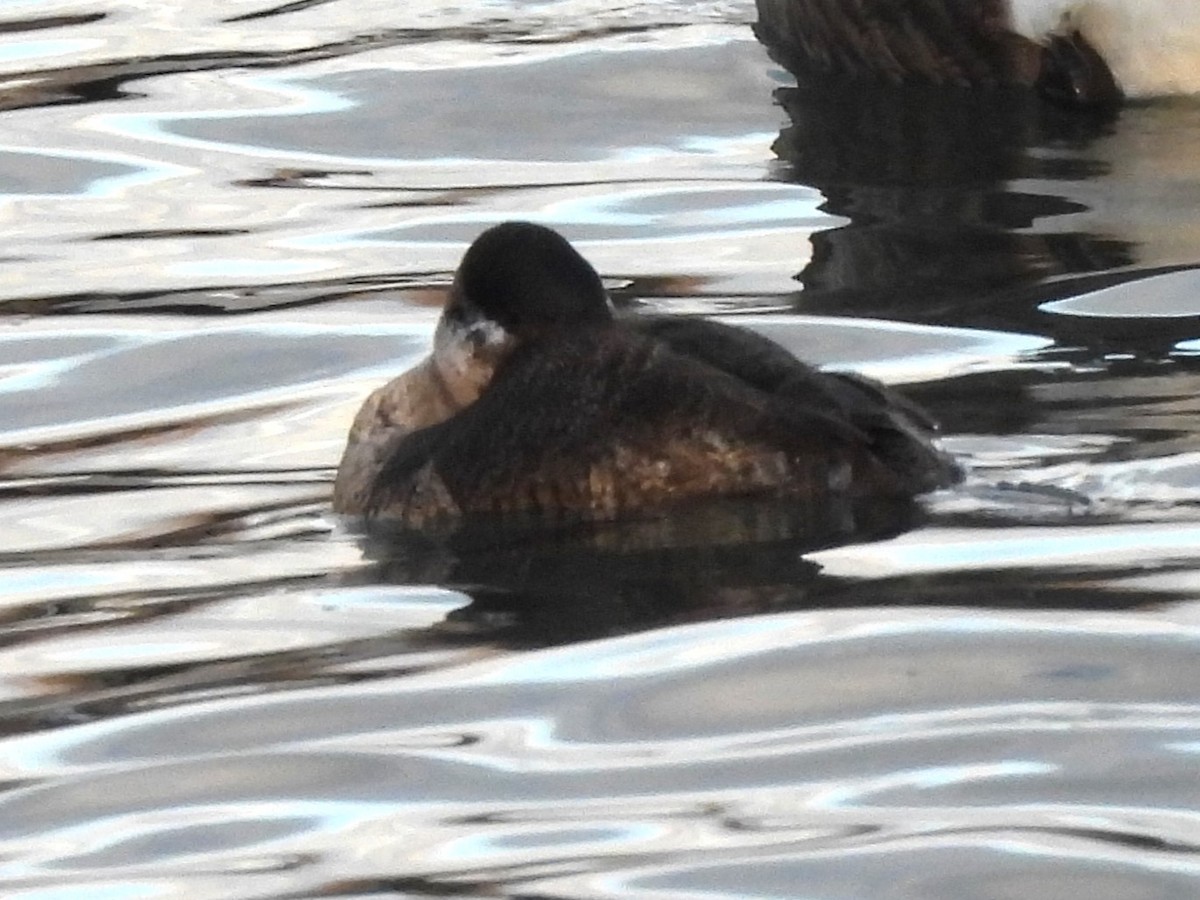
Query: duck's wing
[901,433]
[961,42]
[745,354]
[898,431]
[600,424]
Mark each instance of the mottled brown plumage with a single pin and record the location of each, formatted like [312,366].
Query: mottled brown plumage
[606,421]
[586,417]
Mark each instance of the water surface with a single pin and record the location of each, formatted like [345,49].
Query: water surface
[224,228]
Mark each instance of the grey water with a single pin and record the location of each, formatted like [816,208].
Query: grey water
[225,223]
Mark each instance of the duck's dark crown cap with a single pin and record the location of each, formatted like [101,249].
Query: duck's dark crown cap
[523,275]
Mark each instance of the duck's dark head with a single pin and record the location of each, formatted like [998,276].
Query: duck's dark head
[525,279]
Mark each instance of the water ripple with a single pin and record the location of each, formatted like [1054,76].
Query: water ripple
[226,225]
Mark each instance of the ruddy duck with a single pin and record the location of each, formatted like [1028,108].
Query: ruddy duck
[1077,52]
[536,399]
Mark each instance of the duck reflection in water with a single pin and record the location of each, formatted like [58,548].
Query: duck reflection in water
[546,444]
[533,585]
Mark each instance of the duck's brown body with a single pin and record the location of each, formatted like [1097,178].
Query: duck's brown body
[600,418]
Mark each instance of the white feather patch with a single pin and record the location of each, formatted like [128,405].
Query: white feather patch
[1151,46]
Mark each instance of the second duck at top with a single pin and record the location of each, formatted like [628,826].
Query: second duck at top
[537,400]
[1078,52]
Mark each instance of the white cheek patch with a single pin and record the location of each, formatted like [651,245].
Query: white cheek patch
[466,353]
[470,333]
[487,334]
[476,338]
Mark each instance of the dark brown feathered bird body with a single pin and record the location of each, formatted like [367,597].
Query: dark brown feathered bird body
[589,417]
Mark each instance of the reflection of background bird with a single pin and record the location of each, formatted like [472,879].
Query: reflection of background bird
[1080,53]
[947,198]
[950,200]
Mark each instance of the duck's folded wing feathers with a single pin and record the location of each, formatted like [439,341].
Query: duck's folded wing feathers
[899,432]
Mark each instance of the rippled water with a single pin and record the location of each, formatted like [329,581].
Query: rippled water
[222,228]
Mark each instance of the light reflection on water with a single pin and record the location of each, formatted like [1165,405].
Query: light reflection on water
[716,765]
[225,227]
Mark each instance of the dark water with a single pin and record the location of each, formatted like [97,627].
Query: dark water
[224,226]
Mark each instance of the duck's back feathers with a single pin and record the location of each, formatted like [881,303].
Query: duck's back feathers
[896,430]
[959,42]
[745,354]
